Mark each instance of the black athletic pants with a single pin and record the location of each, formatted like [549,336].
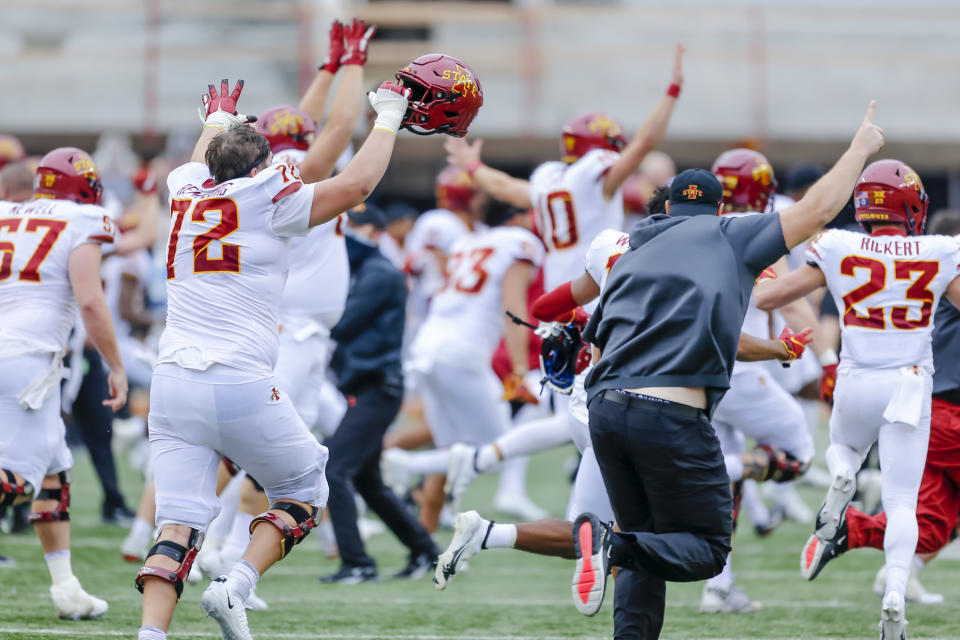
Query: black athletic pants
[355,463]
[95,424]
[664,472]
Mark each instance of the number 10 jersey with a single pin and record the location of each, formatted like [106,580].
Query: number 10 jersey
[887,288]
[227,265]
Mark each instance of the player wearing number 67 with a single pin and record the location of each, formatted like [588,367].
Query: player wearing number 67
[887,283]
[213,392]
[50,270]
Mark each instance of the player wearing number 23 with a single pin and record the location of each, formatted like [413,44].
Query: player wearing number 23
[887,284]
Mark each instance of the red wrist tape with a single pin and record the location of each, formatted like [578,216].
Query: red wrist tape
[673,90]
[556,305]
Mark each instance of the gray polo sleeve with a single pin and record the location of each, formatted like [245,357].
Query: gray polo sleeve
[756,239]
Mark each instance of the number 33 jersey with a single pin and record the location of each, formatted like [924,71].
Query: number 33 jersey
[227,265]
[887,288]
[466,318]
[37,306]
[571,211]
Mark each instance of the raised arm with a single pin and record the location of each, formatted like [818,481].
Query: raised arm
[84,269]
[347,105]
[830,193]
[774,292]
[650,134]
[498,184]
[314,100]
[560,303]
[359,178]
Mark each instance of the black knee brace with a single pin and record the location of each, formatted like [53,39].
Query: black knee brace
[291,535]
[176,552]
[61,512]
[11,491]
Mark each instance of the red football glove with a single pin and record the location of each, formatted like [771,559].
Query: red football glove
[356,38]
[145,181]
[827,383]
[332,62]
[222,102]
[795,343]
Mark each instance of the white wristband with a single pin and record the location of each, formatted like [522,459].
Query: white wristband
[828,358]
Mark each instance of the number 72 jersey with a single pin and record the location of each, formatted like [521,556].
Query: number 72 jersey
[227,265]
[887,288]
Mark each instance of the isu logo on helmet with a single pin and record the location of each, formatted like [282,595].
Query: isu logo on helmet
[445,95]
[455,189]
[591,131]
[10,150]
[68,173]
[747,178]
[890,191]
[286,127]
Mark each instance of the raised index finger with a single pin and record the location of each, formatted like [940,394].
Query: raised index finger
[868,119]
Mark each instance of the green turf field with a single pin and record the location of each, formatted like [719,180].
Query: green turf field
[505,594]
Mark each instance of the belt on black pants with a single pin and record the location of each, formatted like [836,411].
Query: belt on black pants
[650,403]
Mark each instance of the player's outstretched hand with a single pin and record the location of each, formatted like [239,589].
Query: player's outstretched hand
[869,138]
[678,64]
[220,109]
[335,51]
[461,153]
[117,382]
[356,38]
[390,103]
[794,343]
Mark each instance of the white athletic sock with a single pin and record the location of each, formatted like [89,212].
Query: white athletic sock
[239,536]
[151,633]
[219,529]
[842,461]
[734,466]
[487,458]
[535,436]
[724,579]
[501,536]
[58,562]
[513,478]
[245,578]
[141,529]
[899,545]
[427,463]
[919,563]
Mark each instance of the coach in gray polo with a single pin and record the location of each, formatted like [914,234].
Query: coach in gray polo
[667,327]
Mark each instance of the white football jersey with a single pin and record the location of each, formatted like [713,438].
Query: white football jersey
[466,318]
[321,257]
[571,211]
[434,230]
[227,265]
[36,239]
[887,288]
[136,265]
[603,252]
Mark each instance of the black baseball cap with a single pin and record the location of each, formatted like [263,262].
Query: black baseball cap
[695,192]
[367,213]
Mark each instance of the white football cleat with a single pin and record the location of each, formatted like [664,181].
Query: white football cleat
[222,603]
[212,565]
[393,467]
[893,621]
[134,549]
[469,532]
[73,603]
[834,506]
[915,592]
[728,600]
[255,602]
[461,471]
[520,506]
[591,543]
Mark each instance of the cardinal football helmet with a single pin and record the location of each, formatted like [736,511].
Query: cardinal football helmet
[890,191]
[747,178]
[445,95]
[10,150]
[68,173]
[286,127]
[455,189]
[590,131]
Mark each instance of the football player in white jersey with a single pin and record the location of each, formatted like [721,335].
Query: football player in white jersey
[552,536]
[50,270]
[887,285]
[213,391]
[450,360]
[307,311]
